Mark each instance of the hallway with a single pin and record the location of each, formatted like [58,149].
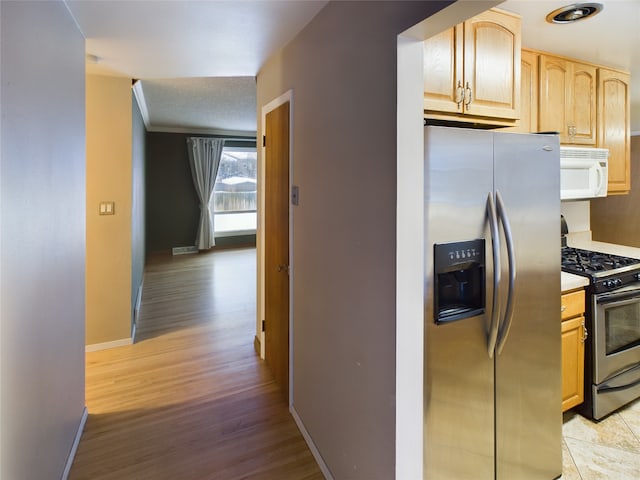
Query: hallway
[190,399]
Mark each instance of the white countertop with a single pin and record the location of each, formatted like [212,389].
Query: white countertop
[603,247]
[571,282]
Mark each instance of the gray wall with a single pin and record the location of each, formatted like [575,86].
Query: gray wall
[173,209]
[172,203]
[137,202]
[343,73]
[42,238]
[616,218]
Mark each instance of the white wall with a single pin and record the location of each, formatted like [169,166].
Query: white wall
[342,69]
[577,216]
[42,238]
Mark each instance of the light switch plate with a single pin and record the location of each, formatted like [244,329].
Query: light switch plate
[107,208]
[295,195]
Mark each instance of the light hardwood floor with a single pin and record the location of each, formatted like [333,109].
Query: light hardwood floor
[190,399]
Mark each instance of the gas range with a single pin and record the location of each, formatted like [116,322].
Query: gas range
[607,272]
[611,329]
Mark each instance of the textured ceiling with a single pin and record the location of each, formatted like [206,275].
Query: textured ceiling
[224,105]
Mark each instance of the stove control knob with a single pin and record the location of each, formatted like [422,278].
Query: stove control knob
[637,275]
[617,282]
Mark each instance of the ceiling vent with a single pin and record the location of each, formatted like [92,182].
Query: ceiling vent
[574,13]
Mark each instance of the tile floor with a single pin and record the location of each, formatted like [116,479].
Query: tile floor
[607,450]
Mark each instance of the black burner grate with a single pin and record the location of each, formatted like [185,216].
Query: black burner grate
[576,260]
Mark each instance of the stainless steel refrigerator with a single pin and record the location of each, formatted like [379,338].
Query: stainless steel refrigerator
[492,379]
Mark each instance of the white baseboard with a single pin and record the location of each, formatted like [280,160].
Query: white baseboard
[136,308]
[103,346]
[312,446]
[136,312]
[74,447]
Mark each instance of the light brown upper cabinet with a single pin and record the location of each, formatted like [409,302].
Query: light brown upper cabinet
[528,121]
[568,100]
[472,70]
[613,126]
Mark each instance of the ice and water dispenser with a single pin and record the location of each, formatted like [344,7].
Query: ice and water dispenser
[459,280]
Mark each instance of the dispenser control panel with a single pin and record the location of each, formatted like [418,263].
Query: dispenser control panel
[459,280]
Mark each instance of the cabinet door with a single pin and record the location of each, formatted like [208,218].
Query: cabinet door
[613,126]
[568,100]
[573,337]
[492,44]
[554,90]
[582,104]
[528,122]
[443,81]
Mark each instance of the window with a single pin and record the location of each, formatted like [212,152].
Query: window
[234,194]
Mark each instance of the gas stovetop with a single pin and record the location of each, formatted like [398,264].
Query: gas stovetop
[605,270]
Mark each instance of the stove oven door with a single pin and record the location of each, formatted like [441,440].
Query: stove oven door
[616,324]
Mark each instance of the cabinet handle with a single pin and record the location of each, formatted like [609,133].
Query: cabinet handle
[585,334]
[467,94]
[563,308]
[459,93]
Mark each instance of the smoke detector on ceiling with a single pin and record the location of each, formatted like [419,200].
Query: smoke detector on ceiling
[574,13]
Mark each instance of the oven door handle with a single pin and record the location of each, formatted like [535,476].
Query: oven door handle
[495,249]
[505,326]
[606,388]
[631,294]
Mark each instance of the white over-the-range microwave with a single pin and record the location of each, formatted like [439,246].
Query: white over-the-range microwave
[583,172]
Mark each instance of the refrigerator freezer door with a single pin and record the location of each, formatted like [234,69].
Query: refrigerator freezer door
[458,383]
[528,377]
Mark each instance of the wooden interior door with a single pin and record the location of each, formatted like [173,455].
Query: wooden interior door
[277,245]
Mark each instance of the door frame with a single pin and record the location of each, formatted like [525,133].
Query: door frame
[260,239]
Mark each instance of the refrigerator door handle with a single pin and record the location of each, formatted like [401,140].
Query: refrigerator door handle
[508,311]
[495,248]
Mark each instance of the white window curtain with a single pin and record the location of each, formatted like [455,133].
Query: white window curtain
[204,158]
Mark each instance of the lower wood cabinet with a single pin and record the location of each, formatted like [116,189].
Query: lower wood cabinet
[574,335]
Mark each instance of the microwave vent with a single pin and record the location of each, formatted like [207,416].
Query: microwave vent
[584,153]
